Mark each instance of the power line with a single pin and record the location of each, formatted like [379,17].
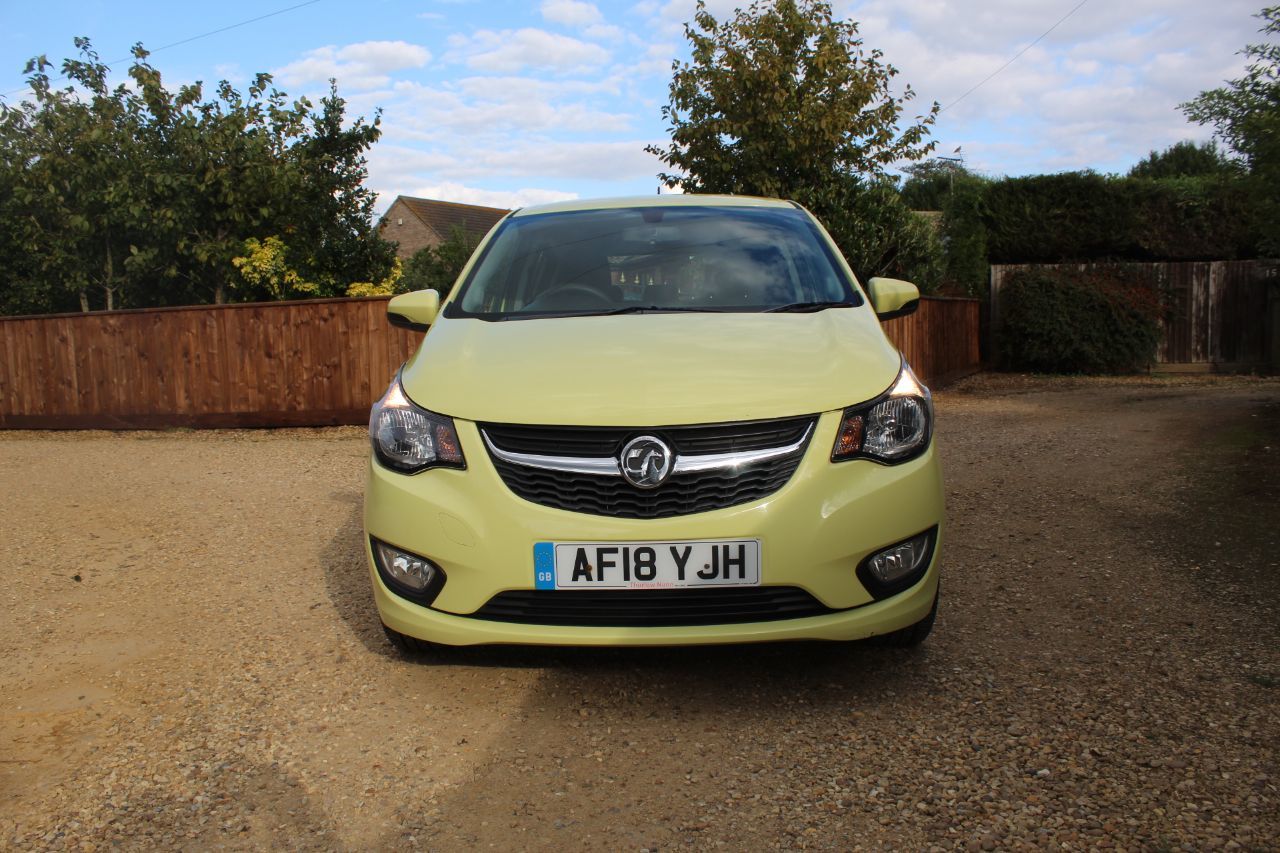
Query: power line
[986,79]
[197,38]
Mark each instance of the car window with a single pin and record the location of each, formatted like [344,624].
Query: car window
[652,258]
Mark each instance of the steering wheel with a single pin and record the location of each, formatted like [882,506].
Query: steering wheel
[580,288]
[552,297]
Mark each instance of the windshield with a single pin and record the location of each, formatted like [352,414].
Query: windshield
[653,259]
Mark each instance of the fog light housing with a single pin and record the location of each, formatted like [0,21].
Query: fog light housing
[891,570]
[407,574]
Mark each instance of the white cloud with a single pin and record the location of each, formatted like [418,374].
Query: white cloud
[584,17]
[396,167]
[364,65]
[508,51]
[604,162]
[571,13]
[509,199]
[476,106]
[604,32]
[1099,91]
[520,116]
[656,60]
[668,19]
[523,88]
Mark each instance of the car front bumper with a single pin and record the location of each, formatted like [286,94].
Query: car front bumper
[813,533]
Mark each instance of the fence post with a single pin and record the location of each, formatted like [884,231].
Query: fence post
[1270,271]
[993,315]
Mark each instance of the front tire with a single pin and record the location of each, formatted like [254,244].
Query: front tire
[913,635]
[409,647]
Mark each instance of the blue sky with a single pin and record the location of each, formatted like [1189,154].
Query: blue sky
[515,103]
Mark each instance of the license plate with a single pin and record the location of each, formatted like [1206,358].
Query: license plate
[646,565]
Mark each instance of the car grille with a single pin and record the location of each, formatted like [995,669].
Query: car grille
[608,441]
[651,608]
[681,494]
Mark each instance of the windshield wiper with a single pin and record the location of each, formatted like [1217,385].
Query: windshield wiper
[604,312]
[653,309]
[805,307]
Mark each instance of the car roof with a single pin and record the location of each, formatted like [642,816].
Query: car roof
[673,200]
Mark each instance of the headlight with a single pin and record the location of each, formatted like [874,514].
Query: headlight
[894,427]
[410,439]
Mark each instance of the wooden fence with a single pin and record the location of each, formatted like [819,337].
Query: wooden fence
[314,362]
[941,339]
[309,363]
[1216,312]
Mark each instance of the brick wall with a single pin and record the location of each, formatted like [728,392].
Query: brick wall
[407,231]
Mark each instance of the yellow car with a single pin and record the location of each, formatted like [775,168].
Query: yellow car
[656,421]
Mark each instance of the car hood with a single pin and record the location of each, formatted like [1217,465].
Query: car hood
[651,369]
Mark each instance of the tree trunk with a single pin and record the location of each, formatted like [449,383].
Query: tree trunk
[220,289]
[84,301]
[107,285]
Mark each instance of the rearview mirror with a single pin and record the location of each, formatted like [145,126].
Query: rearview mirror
[416,310]
[891,297]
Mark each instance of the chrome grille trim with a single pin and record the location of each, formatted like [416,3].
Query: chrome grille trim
[604,466]
[719,461]
[608,466]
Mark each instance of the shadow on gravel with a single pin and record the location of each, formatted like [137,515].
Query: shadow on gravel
[614,748]
[659,711]
[784,661]
[346,578]
[1229,523]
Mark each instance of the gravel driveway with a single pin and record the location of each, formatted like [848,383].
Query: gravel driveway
[189,657]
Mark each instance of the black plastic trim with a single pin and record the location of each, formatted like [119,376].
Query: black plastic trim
[403,322]
[670,608]
[909,308]
[880,590]
[424,596]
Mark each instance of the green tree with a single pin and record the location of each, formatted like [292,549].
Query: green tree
[77,198]
[784,100]
[137,195]
[964,233]
[1185,159]
[264,268]
[438,267]
[1245,115]
[335,208]
[231,179]
[929,182]
[947,186]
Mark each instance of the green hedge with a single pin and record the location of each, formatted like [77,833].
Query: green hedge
[1098,320]
[964,234]
[1084,216]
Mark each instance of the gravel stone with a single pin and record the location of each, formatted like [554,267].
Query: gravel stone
[190,658]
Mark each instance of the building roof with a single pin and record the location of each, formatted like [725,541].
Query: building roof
[443,216]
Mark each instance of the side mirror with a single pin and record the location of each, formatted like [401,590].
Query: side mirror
[891,297]
[416,310]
